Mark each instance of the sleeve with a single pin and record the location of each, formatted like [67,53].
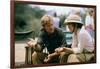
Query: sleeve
[82,40]
[40,42]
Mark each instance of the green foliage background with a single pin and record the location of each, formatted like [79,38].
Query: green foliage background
[27,21]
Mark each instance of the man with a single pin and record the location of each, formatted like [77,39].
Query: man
[49,37]
[82,46]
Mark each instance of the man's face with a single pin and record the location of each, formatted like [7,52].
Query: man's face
[49,28]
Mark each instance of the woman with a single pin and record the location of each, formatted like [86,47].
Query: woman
[82,46]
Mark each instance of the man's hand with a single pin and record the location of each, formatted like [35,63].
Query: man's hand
[50,56]
[32,42]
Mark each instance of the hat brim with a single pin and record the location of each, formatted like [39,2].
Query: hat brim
[69,22]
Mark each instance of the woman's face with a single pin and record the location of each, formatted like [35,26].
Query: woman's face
[71,27]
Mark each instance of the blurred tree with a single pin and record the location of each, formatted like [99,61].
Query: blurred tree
[26,20]
[62,19]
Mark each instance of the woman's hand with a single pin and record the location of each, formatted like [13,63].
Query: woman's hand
[63,49]
[60,49]
[68,50]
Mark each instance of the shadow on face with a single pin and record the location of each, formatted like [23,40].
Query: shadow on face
[71,27]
